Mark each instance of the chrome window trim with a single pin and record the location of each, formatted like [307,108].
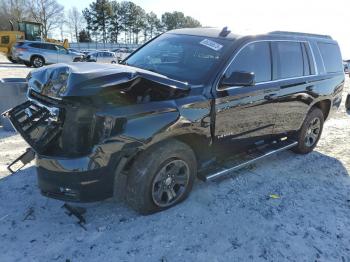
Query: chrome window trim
[271,81]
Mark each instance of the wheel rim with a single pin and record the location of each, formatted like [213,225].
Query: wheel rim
[38,62]
[170,183]
[313,132]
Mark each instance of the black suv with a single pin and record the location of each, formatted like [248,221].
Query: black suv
[189,103]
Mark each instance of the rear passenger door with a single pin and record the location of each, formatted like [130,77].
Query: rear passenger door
[293,73]
[49,52]
[248,112]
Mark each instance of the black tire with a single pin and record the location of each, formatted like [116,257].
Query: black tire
[12,60]
[37,61]
[27,64]
[347,102]
[310,132]
[147,182]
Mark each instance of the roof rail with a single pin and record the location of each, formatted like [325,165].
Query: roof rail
[299,34]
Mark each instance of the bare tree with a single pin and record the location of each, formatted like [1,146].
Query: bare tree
[75,22]
[15,10]
[47,12]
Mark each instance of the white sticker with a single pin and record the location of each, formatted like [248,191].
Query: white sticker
[211,44]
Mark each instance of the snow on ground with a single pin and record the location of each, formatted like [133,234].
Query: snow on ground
[232,219]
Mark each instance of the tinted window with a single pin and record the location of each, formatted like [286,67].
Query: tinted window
[256,58]
[289,59]
[5,39]
[49,47]
[35,45]
[331,57]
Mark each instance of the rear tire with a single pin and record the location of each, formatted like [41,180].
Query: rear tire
[310,132]
[161,177]
[347,102]
[37,61]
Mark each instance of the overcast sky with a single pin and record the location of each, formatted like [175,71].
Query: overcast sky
[330,17]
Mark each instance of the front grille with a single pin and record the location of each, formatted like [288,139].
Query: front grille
[37,124]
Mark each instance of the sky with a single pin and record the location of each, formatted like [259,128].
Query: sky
[331,17]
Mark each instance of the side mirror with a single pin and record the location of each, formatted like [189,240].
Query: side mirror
[238,78]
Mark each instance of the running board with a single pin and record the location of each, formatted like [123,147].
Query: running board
[250,158]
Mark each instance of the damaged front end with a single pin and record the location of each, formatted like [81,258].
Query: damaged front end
[71,115]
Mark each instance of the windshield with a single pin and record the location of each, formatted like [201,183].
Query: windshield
[185,58]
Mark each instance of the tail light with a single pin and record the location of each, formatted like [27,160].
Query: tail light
[21,49]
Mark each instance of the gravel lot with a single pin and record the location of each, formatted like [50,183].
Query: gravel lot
[233,219]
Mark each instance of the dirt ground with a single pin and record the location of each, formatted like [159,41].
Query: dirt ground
[233,219]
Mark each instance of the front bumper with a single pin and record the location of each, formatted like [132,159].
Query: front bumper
[85,179]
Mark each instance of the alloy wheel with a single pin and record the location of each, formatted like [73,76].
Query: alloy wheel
[170,183]
[38,62]
[313,132]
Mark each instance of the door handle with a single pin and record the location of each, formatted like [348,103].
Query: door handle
[270,97]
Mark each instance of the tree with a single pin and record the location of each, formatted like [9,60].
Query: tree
[152,26]
[176,20]
[125,18]
[116,25]
[98,17]
[191,22]
[114,19]
[84,36]
[47,12]
[137,22]
[14,10]
[75,22]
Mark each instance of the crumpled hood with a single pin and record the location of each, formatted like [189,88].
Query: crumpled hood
[87,79]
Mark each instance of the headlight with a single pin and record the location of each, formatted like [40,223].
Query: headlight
[106,127]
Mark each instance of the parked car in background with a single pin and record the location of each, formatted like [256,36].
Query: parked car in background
[187,104]
[74,50]
[105,57]
[121,53]
[87,51]
[37,54]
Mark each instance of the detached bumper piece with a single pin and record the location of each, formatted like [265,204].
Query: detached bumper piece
[24,159]
[37,124]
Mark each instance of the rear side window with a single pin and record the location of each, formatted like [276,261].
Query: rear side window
[5,39]
[255,58]
[19,44]
[35,45]
[49,47]
[290,60]
[331,57]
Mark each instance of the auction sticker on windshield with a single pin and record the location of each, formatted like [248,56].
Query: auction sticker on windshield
[211,44]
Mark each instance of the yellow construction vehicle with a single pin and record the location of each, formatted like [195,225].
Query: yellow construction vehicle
[25,31]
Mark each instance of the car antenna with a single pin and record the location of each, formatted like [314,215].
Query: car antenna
[224,32]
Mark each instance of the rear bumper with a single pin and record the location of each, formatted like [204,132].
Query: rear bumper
[85,179]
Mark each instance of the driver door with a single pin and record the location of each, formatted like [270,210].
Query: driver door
[248,112]
[63,55]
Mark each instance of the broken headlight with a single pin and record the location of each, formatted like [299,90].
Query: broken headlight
[106,127]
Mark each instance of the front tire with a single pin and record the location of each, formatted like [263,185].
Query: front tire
[37,61]
[161,177]
[310,132]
